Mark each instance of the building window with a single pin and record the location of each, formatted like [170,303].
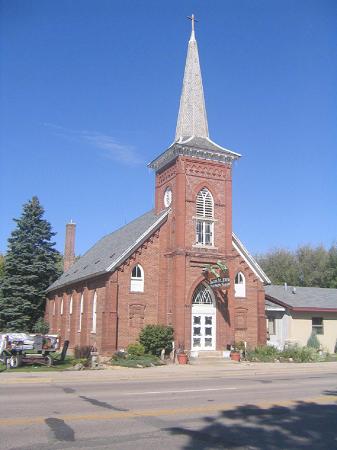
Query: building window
[54,307]
[70,311]
[204,218]
[202,296]
[137,279]
[271,326]
[317,325]
[94,314]
[80,314]
[240,285]
[61,308]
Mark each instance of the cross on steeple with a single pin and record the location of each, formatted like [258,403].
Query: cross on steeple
[193,19]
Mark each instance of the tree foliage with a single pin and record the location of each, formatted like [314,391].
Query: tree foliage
[2,265]
[30,267]
[306,266]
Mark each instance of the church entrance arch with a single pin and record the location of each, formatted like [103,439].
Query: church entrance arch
[203,319]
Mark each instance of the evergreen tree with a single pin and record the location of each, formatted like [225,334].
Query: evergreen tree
[30,267]
[2,265]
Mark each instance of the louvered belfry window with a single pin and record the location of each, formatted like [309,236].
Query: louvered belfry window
[204,218]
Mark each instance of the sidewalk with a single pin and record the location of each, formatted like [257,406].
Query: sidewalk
[216,370]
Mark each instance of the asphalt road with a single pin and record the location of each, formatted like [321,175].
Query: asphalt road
[173,409]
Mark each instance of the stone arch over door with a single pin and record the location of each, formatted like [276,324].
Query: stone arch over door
[203,317]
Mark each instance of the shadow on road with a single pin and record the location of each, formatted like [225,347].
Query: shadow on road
[304,426]
[100,404]
[61,431]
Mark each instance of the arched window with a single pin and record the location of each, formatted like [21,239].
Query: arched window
[80,314]
[205,204]
[202,296]
[137,279]
[94,314]
[240,285]
[204,218]
[61,307]
[54,307]
[70,311]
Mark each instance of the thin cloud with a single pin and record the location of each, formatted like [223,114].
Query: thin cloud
[111,148]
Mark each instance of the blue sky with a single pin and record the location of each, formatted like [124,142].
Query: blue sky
[90,93]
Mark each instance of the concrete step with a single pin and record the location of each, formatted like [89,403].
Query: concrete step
[210,354]
[209,357]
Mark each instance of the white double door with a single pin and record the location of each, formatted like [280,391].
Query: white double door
[203,327]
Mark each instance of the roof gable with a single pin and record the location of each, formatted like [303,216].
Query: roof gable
[250,260]
[110,251]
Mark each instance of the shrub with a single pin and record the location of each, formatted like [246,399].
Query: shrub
[300,354]
[263,353]
[136,349]
[313,342]
[41,326]
[156,337]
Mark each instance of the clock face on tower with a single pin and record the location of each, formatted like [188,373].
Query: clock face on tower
[167,197]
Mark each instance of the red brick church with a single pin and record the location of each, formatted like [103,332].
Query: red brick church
[179,264]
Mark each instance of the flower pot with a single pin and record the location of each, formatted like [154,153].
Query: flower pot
[182,358]
[235,356]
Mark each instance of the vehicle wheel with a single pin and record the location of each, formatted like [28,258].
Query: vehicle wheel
[48,360]
[15,361]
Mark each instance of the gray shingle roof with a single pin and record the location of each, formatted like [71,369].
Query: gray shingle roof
[271,305]
[111,250]
[194,147]
[305,297]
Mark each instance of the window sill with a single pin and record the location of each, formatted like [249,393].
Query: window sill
[92,332]
[205,247]
[136,292]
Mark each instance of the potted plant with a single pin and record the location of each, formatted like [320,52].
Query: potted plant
[236,351]
[181,354]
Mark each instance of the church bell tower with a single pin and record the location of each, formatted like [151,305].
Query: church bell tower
[194,180]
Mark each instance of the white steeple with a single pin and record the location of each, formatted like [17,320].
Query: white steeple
[192,137]
[192,118]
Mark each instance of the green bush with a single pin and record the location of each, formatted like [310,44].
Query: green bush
[300,354]
[313,342]
[263,353]
[41,326]
[136,349]
[156,337]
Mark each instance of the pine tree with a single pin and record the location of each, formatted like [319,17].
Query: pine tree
[31,265]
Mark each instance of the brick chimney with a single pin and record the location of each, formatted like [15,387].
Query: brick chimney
[69,247]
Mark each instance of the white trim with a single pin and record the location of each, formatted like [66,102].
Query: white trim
[137,242]
[274,308]
[223,148]
[241,249]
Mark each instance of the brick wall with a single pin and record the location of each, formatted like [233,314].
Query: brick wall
[172,266]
